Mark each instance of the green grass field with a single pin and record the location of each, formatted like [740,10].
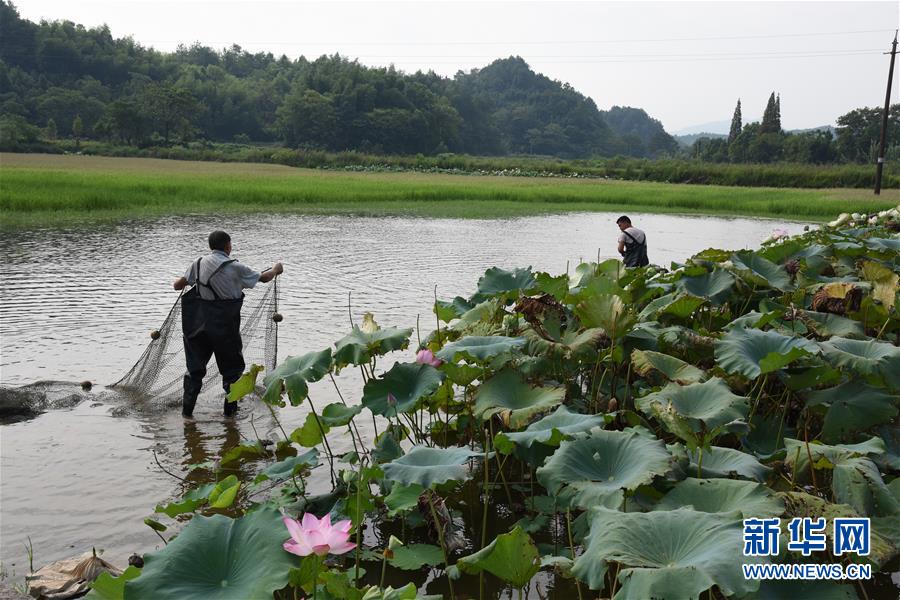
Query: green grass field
[51,190]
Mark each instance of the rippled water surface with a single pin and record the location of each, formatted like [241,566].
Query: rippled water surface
[78,305]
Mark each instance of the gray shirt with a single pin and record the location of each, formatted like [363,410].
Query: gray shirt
[228,283]
[639,236]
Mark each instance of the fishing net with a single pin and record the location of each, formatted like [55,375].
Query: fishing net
[159,372]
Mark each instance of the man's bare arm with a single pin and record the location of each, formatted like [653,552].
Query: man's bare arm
[179,284]
[621,247]
[267,276]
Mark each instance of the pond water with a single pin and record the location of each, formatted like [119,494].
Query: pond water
[78,305]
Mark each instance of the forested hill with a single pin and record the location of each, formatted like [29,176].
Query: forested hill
[70,80]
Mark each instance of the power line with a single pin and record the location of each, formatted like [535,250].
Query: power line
[534,42]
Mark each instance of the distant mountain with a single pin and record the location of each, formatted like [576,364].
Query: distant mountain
[688,140]
[713,127]
[829,128]
[533,114]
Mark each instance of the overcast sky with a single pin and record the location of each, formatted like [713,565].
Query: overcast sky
[685,63]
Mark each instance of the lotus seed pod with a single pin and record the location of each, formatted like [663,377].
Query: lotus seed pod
[277,317]
[154,335]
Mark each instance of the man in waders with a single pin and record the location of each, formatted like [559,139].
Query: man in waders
[632,244]
[211,317]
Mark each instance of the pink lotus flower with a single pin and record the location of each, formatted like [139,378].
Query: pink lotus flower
[427,357]
[777,234]
[317,536]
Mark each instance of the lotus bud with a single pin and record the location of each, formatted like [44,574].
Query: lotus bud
[612,405]
[369,325]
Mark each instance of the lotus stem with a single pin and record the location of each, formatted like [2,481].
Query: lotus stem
[325,440]
[699,462]
[484,513]
[812,471]
[437,318]
[316,578]
[358,522]
[794,470]
[440,532]
[572,547]
[352,420]
[383,568]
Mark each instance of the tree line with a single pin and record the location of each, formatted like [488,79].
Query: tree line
[60,80]
[855,139]
[54,74]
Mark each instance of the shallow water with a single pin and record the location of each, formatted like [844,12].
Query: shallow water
[78,304]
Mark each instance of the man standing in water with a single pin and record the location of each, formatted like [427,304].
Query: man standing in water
[211,317]
[632,244]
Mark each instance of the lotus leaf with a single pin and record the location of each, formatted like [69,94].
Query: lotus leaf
[890,459]
[447,311]
[851,407]
[596,469]
[761,272]
[674,554]
[716,286]
[606,311]
[867,358]
[497,281]
[673,369]
[294,373]
[855,479]
[245,384]
[485,316]
[416,556]
[512,557]
[479,348]
[429,466]
[290,466]
[217,557]
[723,462]
[554,427]
[516,401]
[752,352]
[767,433]
[337,414]
[884,282]
[400,389]
[107,587]
[358,347]
[311,433]
[799,504]
[461,374]
[723,496]
[224,492]
[697,413]
[402,498]
[681,306]
[827,324]
[556,286]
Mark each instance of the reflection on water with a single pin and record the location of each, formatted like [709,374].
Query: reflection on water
[79,304]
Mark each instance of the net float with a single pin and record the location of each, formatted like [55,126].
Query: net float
[277,317]
[154,335]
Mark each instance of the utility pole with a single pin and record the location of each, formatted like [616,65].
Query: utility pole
[884,119]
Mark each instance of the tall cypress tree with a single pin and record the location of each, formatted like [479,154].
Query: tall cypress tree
[736,123]
[770,121]
[778,110]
